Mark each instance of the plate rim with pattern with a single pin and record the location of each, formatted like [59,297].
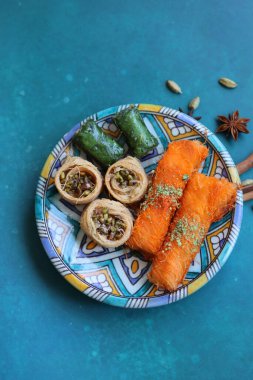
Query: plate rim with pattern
[143,301]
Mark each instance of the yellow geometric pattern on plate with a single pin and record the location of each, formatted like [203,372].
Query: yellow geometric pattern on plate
[114,134]
[197,283]
[148,107]
[91,245]
[134,266]
[46,168]
[214,165]
[169,132]
[234,175]
[152,292]
[99,272]
[185,281]
[76,282]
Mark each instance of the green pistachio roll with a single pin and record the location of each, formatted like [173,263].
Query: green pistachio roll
[140,140]
[93,140]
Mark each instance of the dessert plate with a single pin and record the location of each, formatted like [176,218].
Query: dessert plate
[118,276]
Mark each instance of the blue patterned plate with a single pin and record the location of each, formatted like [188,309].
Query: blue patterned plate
[119,276]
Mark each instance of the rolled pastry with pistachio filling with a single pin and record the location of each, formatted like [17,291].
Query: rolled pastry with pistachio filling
[93,140]
[126,180]
[107,222]
[138,137]
[78,181]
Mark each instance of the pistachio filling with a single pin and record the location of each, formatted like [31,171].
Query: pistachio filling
[77,183]
[108,225]
[125,177]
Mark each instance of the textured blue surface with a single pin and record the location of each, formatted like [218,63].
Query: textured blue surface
[64,60]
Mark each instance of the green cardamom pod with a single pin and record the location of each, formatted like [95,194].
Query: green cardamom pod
[226,82]
[194,103]
[174,87]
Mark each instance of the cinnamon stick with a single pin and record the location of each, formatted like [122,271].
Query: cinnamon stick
[247,189]
[248,196]
[245,165]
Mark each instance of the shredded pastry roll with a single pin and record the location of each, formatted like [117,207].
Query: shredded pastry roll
[205,200]
[179,162]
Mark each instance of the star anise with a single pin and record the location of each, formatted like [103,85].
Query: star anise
[233,124]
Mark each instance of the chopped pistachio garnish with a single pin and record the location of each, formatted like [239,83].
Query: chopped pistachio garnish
[78,184]
[169,190]
[125,177]
[192,231]
[108,225]
[164,191]
[185,177]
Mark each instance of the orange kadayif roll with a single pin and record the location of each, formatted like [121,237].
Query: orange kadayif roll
[179,162]
[205,200]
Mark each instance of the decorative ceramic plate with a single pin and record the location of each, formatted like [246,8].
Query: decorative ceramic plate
[118,276]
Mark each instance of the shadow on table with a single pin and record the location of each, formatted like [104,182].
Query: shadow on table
[45,270]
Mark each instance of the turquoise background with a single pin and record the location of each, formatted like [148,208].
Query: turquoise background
[60,62]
